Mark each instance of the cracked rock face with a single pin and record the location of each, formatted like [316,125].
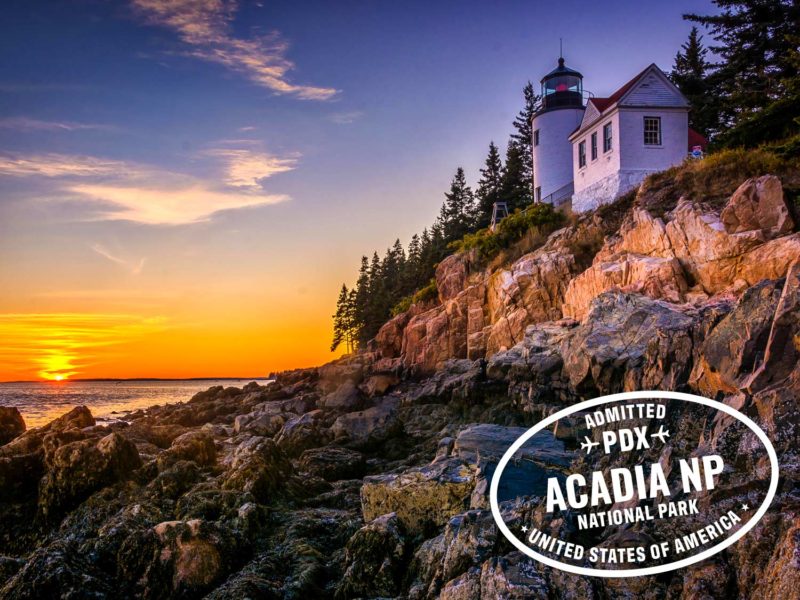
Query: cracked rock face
[687,256]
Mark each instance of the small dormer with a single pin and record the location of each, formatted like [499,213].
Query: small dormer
[562,88]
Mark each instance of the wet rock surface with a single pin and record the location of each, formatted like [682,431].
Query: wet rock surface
[368,477]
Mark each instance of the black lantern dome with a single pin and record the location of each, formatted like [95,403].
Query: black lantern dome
[562,88]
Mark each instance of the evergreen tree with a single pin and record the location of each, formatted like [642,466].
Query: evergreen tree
[755,45]
[514,188]
[411,274]
[691,74]
[489,185]
[345,325]
[375,309]
[524,131]
[458,209]
[361,299]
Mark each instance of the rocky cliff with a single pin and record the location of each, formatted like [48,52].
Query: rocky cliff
[368,477]
[688,256]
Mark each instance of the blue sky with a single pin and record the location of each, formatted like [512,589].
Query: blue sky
[150,144]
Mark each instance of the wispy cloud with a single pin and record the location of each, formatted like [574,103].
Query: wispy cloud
[153,196]
[205,26]
[159,206]
[247,169]
[133,267]
[61,345]
[345,118]
[27,124]
[59,165]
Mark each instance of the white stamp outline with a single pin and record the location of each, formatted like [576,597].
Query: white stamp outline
[643,571]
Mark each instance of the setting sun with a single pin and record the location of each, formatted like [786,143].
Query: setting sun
[59,378]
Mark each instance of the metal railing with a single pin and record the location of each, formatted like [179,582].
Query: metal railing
[560,194]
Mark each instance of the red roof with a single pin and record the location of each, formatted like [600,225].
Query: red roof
[600,103]
[695,139]
[603,103]
[616,96]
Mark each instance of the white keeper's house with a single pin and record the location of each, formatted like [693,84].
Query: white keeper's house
[591,154]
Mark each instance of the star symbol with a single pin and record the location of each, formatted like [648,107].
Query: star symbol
[745,507]
[524,529]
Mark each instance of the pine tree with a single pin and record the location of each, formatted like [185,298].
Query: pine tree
[488,191]
[514,188]
[691,74]
[458,208]
[524,134]
[361,300]
[375,310]
[344,321]
[754,42]
[411,274]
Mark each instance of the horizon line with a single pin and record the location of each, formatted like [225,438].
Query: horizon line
[120,379]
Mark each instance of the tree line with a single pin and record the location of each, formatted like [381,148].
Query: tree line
[389,282]
[747,93]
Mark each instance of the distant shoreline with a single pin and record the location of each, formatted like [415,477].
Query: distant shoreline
[115,379]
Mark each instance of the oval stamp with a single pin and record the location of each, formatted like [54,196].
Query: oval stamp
[658,481]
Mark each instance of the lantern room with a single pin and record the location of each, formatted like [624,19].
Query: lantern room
[562,88]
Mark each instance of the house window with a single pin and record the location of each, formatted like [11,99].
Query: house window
[539,193]
[652,131]
[594,146]
[536,138]
[582,154]
[606,137]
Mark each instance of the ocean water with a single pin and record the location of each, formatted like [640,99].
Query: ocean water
[41,402]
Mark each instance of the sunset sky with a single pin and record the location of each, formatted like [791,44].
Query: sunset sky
[185,185]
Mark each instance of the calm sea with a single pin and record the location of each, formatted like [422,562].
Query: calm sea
[41,402]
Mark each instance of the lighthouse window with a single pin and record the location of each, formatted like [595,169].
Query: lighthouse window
[582,154]
[652,131]
[536,138]
[606,137]
[539,193]
[594,146]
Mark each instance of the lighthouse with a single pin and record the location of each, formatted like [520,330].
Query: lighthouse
[559,114]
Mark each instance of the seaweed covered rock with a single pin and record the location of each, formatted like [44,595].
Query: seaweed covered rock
[258,467]
[366,428]
[303,432]
[333,463]
[179,559]
[11,424]
[197,446]
[375,560]
[57,570]
[78,469]
[421,497]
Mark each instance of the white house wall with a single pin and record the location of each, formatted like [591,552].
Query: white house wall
[674,139]
[629,161]
[606,164]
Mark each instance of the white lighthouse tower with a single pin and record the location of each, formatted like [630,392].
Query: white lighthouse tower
[559,115]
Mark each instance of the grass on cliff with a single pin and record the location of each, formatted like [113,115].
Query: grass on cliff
[427,294]
[520,232]
[517,234]
[713,179]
